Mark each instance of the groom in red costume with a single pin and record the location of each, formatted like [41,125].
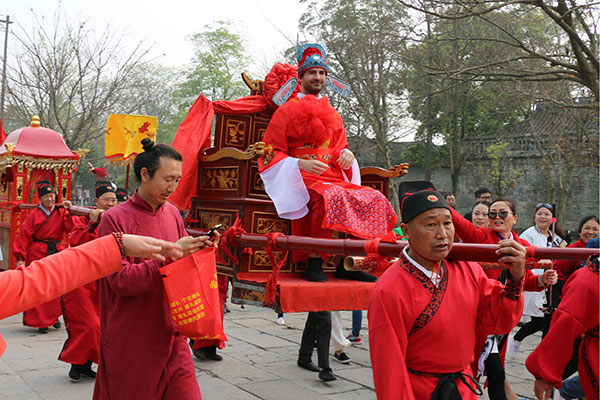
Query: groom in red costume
[314,180]
[309,173]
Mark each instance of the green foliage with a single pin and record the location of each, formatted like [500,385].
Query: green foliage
[501,173]
[216,66]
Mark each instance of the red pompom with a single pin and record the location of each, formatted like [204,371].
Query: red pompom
[312,120]
[276,78]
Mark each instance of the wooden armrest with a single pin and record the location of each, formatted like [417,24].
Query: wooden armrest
[209,155]
[394,172]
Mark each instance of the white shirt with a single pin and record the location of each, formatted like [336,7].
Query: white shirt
[433,276]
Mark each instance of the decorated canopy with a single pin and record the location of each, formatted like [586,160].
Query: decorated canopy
[38,147]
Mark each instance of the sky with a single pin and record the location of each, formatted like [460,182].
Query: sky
[167,24]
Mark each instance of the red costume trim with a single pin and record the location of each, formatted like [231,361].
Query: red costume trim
[311,120]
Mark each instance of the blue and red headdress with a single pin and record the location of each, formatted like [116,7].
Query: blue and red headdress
[310,55]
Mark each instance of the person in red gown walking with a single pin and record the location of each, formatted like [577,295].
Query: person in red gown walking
[40,235]
[576,315]
[142,355]
[421,344]
[80,306]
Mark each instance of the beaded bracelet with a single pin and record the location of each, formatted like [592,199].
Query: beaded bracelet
[119,238]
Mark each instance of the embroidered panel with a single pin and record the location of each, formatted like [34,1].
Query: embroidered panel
[513,290]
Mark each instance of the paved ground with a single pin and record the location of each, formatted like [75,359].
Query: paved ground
[259,363]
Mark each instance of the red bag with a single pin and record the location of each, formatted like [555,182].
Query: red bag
[192,290]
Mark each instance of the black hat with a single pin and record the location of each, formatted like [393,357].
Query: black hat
[417,197]
[122,195]
[104,187]
[44,187]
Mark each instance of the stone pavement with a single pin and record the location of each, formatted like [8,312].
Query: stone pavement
[258,363]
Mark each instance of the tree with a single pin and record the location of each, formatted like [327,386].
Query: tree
[501,174]
[216,66]
[453,110]
[364,38]
[72,75]
[570,51]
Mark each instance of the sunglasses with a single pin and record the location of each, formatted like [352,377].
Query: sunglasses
[501,214]
[540,205]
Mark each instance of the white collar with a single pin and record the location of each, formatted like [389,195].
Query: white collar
[45,211]
[301,95]
[433,276]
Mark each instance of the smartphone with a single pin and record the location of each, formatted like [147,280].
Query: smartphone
[212,230]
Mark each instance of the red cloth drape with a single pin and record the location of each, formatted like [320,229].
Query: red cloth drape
[194,134]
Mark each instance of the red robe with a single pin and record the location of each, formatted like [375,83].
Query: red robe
[576,315]
[142,356]
[80,307]
[47,279]
[464,302]
[28,248]
[309,128]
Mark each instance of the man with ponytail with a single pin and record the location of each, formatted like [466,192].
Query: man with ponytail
[142,356]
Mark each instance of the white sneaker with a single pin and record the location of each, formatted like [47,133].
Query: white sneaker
[512,347]
[280,321]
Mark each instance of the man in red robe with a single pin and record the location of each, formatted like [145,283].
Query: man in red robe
[142,355]
[576,315]
[40,235]
[80,306]
[425,310]
[311,175]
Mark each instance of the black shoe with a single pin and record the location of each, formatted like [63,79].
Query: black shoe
[75,372]
[314,270]
[341,273]
[226,309]
[309,365]
[342,357]
[326,375]
[57,324]
[86,369]
[211,353]
[43,330]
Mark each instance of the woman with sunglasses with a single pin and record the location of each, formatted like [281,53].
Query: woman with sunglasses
[502,218]
[539,235]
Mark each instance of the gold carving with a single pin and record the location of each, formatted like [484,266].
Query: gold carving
[255,85]
[20,167]
[235,132]
[19,188]
[266,225]
[252,151]
[261,259]
[222,178]
[10,147]
[210,219]
[258,183]
[375,185]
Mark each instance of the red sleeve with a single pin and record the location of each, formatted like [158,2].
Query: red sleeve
[52,276]
[466,230]
[565,268]
[24,237]
[572,318]
[275,139]
[387,345]
[341,140]
[84,230]
[531,282]
[134,278]
[68,220]
[500,306]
